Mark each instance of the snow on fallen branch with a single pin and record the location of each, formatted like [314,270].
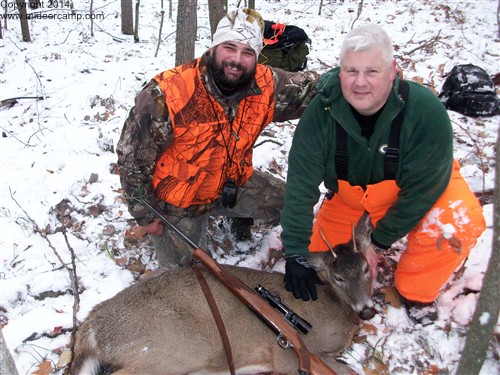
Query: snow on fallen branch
[71,270]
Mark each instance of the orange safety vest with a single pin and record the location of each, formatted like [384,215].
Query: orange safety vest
[208,148]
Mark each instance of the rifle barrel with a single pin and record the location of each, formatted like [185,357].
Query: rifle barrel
[169,224]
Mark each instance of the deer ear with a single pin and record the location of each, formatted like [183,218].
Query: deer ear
[362,232]
[319,262]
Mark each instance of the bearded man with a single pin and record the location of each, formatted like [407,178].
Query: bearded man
[186,147]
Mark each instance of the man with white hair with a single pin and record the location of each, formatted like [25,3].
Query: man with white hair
[186,146]
[382,145]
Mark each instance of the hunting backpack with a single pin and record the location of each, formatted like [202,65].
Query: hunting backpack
[469,90]
[285,46]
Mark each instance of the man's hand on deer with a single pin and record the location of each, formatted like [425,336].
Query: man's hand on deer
[301,278]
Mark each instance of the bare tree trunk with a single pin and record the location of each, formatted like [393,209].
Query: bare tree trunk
[7,365]
[91,18]
[127,17]
[217,9]
[7,12]
[251,4]
[498,18]
[161,27]
[25,29]
[136,29]
[488,306]
[186,31]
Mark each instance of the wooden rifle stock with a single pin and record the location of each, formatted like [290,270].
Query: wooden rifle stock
[309,363]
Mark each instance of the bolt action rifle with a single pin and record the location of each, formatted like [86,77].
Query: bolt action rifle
[288,336]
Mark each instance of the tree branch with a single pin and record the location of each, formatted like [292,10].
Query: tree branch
[71,271]
[267,140]
[12,101]
[479,152]
[426,44]
[360,8]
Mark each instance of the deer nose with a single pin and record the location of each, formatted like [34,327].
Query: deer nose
[367,313]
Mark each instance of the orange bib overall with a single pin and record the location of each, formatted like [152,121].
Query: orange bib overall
[437,246]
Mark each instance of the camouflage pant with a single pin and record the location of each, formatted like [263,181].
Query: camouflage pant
[261,198]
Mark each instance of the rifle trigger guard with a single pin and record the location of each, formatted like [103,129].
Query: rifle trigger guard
[283,341]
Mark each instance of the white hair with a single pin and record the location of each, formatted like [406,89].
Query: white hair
[368,38]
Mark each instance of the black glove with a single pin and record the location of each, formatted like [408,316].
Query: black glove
[301,278]
[377,246]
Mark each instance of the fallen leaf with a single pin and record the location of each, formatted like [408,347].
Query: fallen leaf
[359,339]
[369,328]
[447,327]
[391,296]
[376,368]
[274,166]
[432,370]
[136,266]
[56,331]
[134,234]
[96,210]
[121,261]
[43,368]
[64,359]
[419,80]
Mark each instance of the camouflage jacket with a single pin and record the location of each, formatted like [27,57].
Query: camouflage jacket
[147,131]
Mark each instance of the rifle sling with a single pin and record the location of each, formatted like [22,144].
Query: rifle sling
[244,293]
[216,314]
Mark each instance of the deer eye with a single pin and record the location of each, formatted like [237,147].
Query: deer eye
[338,279]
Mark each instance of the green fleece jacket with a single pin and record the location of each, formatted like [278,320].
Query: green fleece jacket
[424,170]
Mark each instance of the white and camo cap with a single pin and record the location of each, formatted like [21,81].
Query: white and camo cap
[243,26]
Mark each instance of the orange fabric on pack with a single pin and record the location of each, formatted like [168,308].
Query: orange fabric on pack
[279,28]
[436,246]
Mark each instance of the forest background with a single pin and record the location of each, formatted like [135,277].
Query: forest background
[69,75]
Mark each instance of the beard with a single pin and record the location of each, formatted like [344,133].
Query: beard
[225,83]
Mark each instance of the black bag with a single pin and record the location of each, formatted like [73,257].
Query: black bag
[469,90]
[285,47]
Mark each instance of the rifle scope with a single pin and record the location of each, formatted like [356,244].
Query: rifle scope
[295,320]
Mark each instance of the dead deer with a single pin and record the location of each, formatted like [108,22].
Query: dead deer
[163,324]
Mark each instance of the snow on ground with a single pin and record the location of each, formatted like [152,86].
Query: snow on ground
[57,158]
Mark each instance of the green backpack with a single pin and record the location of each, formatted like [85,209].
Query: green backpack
[285,47]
